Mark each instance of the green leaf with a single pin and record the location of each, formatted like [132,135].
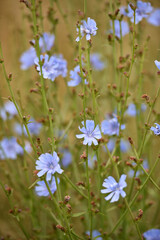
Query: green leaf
[78,214]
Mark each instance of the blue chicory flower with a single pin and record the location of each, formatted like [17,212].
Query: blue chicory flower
[115,189]
[142,11]
[156,129]
[75,76]
[152,234]
[91,161]
[41,189]
[87,28]
[111,126]
[132,111]
[10,148]
[52,67]
[45,43]
[33,127]
[48,163]
[66,158]
[154,17]
[90,133]
[157,64]
[96,62]
[124,145]
[145,166]
[95,234]
[8,111]
[124,26]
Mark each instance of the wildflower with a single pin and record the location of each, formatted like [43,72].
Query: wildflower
[124,26]
[67,158]
[27,58]
[90,133]
[87,28]
[115,189]
[132,111]
[8,111]
[95,234]
[33,127]
[45,43]
[48,163]
[152,234]
[91,161]
[10,148]
[154,17]
[75,76]
[145,166]
[96,62]
[124,145]
[156,129]
[52,67]
[41,189]
[157,64]
[111,126]
[142,11]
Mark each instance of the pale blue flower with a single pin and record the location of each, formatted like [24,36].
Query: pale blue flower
[45,43]
[75,76]
[52,67]
[48,164]
[113,188]
[152,234]
[41,189]
[90,133]
[95,234]
[124,145]
[66,158]
[91,161]
[156,129]
[87,28]
[111,126]
[139,172]
[157,64]
[124,26]
[132,111]
[8,110]
[33,127]
[10,148]
[27,58]
[96,61]
[142,11]
[154,17]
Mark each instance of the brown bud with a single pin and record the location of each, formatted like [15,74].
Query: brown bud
[61,228]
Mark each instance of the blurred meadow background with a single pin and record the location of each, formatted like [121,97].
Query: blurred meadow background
[60,18]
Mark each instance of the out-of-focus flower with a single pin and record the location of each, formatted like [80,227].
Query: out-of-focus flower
[52,67]
[8,111]
[142,11]
[95,234]
[66,158]
[48,163]
[156,129]
[90,133]
[75,76]
[41,189]
[157,64]
[115,189]
[124,145]
[124,26]
[87,28]
[45,43]
[96,61]
[154,17]
[91,161]
[111,126]
[33,127]
[152,234]
[132,111]
[27,58]
[10,148]
[145,166]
